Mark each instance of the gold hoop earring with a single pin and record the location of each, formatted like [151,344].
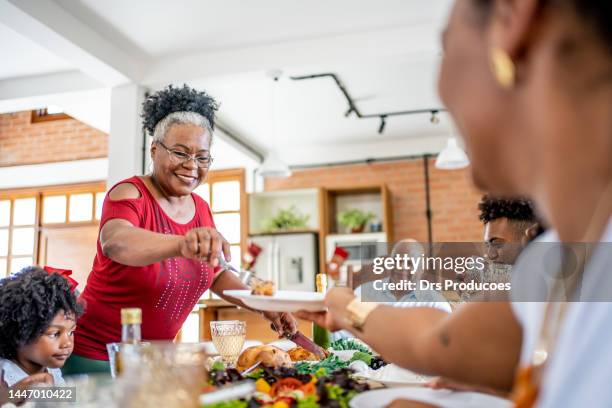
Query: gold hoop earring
[503,68]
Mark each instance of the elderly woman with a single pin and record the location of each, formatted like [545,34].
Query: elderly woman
[158,248]
[529,84]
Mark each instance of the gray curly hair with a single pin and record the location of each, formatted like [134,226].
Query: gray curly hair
[180,118]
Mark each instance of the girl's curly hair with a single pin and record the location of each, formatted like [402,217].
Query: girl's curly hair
[170,99]
[29,301]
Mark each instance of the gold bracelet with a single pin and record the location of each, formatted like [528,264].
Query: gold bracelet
[358,312]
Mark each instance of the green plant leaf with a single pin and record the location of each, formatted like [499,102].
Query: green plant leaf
[354,218]
[287,219]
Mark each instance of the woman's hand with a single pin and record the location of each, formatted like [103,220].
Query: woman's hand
[204,244]
[333,319]
[282,323]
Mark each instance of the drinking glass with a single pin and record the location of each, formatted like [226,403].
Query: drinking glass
[113,350]
[228,337]
[162,374]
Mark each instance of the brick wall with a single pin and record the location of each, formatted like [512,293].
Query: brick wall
[453,198]
[23,142]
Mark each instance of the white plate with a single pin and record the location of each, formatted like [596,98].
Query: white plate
[390,375]
[282,301]
[344,355]
[416,382]
[440,398]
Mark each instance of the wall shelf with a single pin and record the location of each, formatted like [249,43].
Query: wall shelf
[368,198]
[266,205]
[323,206]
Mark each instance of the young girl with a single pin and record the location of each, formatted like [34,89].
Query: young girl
[38,313]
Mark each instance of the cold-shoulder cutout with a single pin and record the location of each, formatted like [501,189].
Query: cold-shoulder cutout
[124,191]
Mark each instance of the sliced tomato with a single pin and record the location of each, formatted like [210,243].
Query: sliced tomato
[309,388]
[285,385]
[287,400]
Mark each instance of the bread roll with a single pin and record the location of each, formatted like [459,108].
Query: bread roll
[269,356]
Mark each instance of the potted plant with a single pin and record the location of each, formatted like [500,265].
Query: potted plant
[354,219]
[286,220]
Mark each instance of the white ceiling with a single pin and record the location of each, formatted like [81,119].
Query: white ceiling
[23,57]
[160,28]
[386,52]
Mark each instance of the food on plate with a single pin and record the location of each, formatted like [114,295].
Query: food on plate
[301,354]
[284,387]
[268,356]
[377,363]
[349,344]
[263,288]
[225,376]
[323,367]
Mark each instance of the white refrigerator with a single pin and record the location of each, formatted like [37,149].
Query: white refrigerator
[290,260]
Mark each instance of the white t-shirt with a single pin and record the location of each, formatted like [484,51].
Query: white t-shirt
[12,373]
[578,372]
[416,298]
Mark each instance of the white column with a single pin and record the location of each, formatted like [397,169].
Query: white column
[125,139]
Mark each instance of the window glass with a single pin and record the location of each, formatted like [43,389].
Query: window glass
[99,202]
[5,213]
[54,209]
[18,264]
[23,241]
[4,238]
[3,267]
[226,196]
[236,256]
[229,226]
[80,207]
[24,212]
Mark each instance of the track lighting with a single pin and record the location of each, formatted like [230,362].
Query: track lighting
[353,110]
[434,117]
[383,122]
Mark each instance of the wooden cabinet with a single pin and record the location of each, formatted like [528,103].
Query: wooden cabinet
[368,198]
[323,205]
[266,205]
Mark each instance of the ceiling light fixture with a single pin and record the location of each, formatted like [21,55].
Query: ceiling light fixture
[452,157]
[383,122]
[353,109]
[434,117]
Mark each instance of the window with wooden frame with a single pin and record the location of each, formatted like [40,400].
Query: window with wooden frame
[48,114]
[18,231]
[225,193]
[27,215]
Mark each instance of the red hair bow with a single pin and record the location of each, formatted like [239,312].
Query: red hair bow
[64,273]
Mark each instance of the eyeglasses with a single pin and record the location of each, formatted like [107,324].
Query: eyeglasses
[203,161]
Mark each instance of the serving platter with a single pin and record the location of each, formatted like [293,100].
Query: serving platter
[390,375]
[441,398]
[281,301]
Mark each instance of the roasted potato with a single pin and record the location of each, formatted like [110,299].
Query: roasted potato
[301,354]
[263,288]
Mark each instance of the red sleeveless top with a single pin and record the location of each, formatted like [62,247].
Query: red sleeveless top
[166,291]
